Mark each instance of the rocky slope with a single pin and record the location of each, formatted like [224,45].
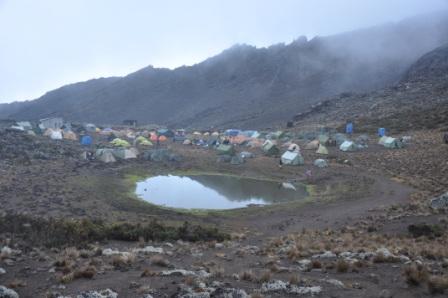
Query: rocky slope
[418,101]
[247,86]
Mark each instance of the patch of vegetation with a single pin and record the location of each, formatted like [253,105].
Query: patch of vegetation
[423,229]
[59,232]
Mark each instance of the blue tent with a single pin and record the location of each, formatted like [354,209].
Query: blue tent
[381,132]
[349,128]
[86,140]
[232,132]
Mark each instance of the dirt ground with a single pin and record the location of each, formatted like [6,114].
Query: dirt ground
[363,202]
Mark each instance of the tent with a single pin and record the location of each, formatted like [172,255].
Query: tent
[255,143]
[322,150]
[239,140]
[120,143]
[232,132]
[56,135]
[349,128]
[313,145]
[165,132]
[321,163]
[323,139]
[292,158]
[340,138]
[275,135]
[347,146]
[215,134]
[225,149]
[105,155]
[162,138]
[270,148]
[187,142]
[90,127]
[246,154]
[107,131]
[153,137]
[294,148]
[390,142]
[236,160]
[142,141]
[123,153]
[70,135]
[86,140]
[25,125]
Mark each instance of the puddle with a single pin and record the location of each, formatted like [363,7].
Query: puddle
[214,191]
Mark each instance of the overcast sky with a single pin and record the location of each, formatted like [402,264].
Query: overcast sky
[48,43]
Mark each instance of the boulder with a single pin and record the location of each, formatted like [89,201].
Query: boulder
[246,154]
[440,202]
[107,293]
[8,293]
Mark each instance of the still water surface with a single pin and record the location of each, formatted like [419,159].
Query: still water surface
[214,191]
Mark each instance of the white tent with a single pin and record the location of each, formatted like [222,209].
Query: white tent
[292,158]
[56,135]
[347,146]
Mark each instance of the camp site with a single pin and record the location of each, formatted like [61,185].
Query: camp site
[309,162]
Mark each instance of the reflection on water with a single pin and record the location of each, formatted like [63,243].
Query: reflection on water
[214,191]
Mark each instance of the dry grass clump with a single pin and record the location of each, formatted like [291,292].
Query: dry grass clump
[17,283]
[159,261]
[247,275]
[148,273]
[86,272]
[265,276]
[123,260]
[437,284]
[342,266]
[218,272]
[316,264]
[293,254]
[416,274]
[381,258]
[294,279]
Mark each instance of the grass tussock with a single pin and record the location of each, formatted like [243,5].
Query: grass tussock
[265,276]
[416,275]
[247,275]
[342,266]
[60,232]
[159,261]
[437,284]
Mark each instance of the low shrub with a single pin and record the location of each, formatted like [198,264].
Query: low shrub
[59,232]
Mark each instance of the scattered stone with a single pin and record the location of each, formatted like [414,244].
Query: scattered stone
[286,287]
[304,265]
[385,294]
[2,271]
[107,293]
[183,272]
[8,293]
[335,282]
[149,249]
[325,255]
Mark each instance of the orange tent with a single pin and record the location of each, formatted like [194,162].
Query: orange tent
[162,139]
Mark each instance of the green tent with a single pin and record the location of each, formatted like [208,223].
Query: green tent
[270,148]
[225,149]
